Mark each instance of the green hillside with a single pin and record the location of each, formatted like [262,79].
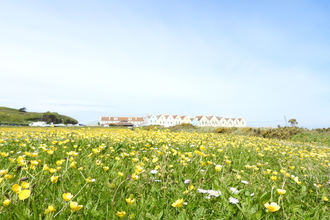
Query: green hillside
[21,116]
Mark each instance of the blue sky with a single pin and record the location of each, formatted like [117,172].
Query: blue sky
[260,60]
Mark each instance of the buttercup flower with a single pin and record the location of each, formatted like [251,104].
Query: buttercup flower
[272,207]
[24,194]
[54,179]
[6,202]
[281,191]
[326,199]
[218,168]
[8,176]
[16,188]
[25,185]
[134,176]
[90,180]
[178,203]
[52,170]
[3,172]
[130,201]
[74,206]
[121,214]
[67,196]
[50,209]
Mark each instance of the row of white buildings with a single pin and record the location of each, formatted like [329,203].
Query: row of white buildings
[172,120]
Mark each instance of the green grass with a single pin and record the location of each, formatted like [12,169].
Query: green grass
[101,153]
[9,116]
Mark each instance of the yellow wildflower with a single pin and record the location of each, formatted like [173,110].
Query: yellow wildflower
[25,185]
[67,196]
[3,172]
[50,209]
[218,168]
[281,191]
[73,164]
[326,199]
[59,162]
[24,194]
[34,162]
[45,168]
[54,179]
[120,174]
[178,203]
[8,176]
[130,201]
[121,214]
[90,180]
[52,170]
[135,177]
[75,207]
[16,188]
[272,207]
[6,202]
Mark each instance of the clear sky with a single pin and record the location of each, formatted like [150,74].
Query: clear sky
[260,60]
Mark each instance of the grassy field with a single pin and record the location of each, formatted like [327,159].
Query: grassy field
[62,173]
[11,116]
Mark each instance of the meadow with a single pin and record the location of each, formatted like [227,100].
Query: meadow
[63,173]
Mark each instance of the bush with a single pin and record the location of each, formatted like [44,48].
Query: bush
[152,127]
[224,130]
[181,127]
[281,132]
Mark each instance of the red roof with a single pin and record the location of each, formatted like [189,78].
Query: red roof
[122,119]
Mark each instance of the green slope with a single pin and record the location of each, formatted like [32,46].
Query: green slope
[14,116]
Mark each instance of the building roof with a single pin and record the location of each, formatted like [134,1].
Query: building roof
[122,119]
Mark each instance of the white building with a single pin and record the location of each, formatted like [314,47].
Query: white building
[169,121]
[172,120]
[122,121]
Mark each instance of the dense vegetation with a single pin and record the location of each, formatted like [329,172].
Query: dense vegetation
[9,116]
[108,173]
[318,136]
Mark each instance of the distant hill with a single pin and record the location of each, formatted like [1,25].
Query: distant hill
[23,117]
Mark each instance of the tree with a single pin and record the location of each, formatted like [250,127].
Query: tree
[49,117]
[22,109]
[293,122]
